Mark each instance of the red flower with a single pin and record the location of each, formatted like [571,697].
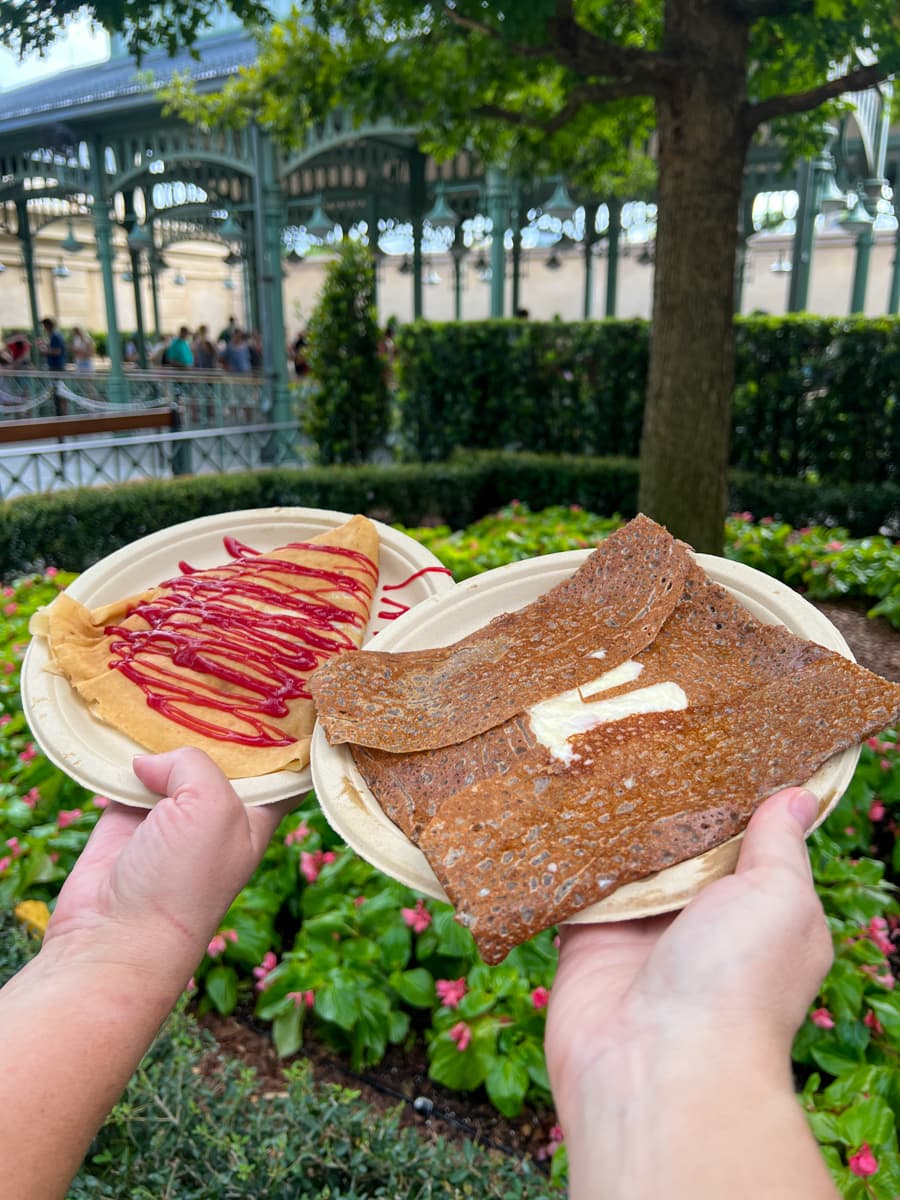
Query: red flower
[462,1035]
[450,991]
[418,918]
[540,997]
[863,1162]
[67,817]
[876,810]
[823,1018]
[873,1023]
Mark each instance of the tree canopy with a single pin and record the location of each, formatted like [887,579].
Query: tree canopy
[33,25]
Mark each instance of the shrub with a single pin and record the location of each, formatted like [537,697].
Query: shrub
[347,411]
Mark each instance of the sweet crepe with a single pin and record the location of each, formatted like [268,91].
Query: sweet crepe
[221,658]
[654,759]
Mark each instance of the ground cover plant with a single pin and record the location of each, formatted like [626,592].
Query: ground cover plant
[320,941]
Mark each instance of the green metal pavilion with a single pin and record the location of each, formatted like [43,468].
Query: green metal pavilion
[94,143]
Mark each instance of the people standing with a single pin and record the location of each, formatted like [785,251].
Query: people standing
[236,356]
[178,353]
[83,349]
[52,345]
[205,357]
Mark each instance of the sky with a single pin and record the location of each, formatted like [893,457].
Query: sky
[77,46]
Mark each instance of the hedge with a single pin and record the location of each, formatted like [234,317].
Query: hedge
[75,528]
[816,398]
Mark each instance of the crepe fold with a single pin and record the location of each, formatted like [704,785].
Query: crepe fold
[523,832]
[612,607]
[220,658]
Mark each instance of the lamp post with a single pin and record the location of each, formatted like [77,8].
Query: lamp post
[859,223]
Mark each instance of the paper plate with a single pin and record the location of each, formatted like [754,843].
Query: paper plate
[98,756]
[357,817]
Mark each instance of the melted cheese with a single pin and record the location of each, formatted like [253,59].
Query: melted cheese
[555,721]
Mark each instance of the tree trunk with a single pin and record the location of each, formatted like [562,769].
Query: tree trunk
[702,147]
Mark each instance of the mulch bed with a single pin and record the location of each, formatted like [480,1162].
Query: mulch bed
[402,1078]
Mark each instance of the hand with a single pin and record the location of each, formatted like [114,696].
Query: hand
[150,888]
[738,967]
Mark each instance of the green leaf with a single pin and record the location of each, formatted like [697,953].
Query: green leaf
[507,1083]
[287,1031]
[416,987]
[221,987]
[870,1120]
[338,1002]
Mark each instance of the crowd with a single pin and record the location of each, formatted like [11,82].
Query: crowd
[236,350]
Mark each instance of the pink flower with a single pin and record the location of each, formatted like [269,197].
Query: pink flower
[886,764]
[876,810]
[191,985]
[462,1035]
[51,572]
[28,753]
[873,1023]
[873,743]
[555,1141]
[100,801]
[67,817]
[359,901]
[8,591]
[297,835]
[863,1162]
[767,520]
[265,968]
[14,846]
[887,980]
[219,944]
[11,609]
[4,863]
[8,668]
[823,1018]
[5,720]
[834,545]
[849,830]
[31,797]
[310,865]
[451,991]
[540,997]
[877,930]
[304,999]
[418,918]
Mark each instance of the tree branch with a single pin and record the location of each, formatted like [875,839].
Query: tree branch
[755,10]
[587,94]
[641,72]
[857,80]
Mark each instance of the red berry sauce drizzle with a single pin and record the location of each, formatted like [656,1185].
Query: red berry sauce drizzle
[397,607]
[256,659]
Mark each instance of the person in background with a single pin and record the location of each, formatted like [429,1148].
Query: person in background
[158,352]
[298,354]
[668,1039]
[52,345]
[254,345]
[178,353]
[228,332]
[205,357]
[18,347]
[82,346]
[236,356]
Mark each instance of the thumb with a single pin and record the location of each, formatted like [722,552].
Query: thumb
[776,835]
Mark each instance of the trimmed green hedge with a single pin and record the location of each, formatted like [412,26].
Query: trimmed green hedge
[816,398]
[73,529]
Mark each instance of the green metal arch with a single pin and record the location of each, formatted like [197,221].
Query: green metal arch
[137,176]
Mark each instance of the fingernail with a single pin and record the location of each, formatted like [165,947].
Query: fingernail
[804,807]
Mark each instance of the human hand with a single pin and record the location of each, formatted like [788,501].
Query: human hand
[735,971]
[151,887]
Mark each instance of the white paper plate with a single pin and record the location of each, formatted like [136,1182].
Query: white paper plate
[98,756]
[357,817]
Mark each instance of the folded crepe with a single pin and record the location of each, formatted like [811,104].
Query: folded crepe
[613,606]
[654,759]
[220,658]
